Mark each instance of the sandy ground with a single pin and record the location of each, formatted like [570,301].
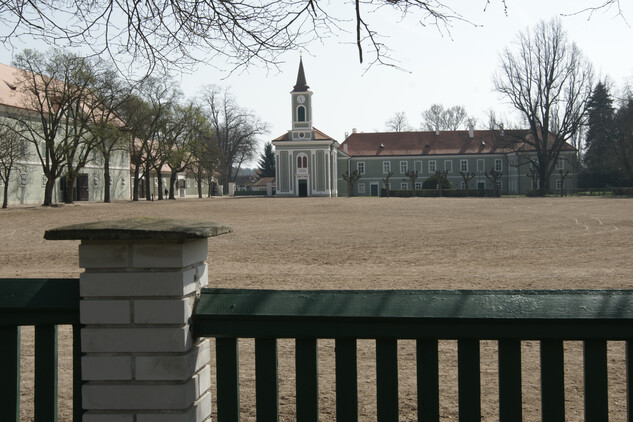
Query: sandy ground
[372,243]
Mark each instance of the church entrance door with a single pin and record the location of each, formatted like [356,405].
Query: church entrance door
[303,188]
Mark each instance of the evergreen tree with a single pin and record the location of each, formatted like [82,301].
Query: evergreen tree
[267,161]
[600,125]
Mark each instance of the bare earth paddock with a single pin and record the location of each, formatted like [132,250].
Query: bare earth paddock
[372,243]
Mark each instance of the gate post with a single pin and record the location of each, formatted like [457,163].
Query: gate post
[142,276]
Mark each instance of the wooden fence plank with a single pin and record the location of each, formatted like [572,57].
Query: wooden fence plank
[46,373]
[552,381]
[346,380]
[387,379]
[629,380]
[596,390]
[10,370]
[77,379]
[266,380]
[307,380]
[228,394]
[468,379]
[510,402]
[428,380]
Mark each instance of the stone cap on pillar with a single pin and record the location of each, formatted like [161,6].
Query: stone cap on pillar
[139,228]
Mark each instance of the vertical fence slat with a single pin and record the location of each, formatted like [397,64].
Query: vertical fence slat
[596,390]
[469,384]
[46,373]
[629,381]
[10,370]
[552,380]
[266,380]
[77,380]
[387,379]
[307,380]
[428,380]
[228,396]
[510,402]
[346,380]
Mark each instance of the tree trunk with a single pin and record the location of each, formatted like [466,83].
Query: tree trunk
[137,179]
[68,192]
[148,185]
[172,183]
[159,175]
[199,181]
[5,200]
[106,178]
[48,192]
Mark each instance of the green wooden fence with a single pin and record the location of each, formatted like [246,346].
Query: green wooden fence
[45,304]
[551,317]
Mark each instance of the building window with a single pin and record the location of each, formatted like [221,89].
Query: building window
[448,166]
[404,186]
[44,180]
[302,161]
[559,164]
[360,166]
[480,165]
[23,179]
[462,185]
[463,165]
[558,183]
[361,188]
[386,167]
[498,165]
[432,166]
[417,166]
[418,185]
[499,185]
[404,166]
[301,114]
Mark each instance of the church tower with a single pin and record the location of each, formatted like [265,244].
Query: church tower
[305,157]
[301,108]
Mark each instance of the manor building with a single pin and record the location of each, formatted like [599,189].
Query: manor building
[311,163]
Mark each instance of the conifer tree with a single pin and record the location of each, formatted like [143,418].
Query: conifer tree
[267,161]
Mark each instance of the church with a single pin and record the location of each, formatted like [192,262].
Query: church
[310,163]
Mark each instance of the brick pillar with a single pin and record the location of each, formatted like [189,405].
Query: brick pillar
[140,362]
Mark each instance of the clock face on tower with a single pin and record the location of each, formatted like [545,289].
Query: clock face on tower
[301,99]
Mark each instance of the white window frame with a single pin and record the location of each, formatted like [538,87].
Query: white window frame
[498,165]
[23,179]
[404,185]
[418,166]
[499,185]
[481,164]
[404,167]
[463,185]
[360,167]
[418,185]
[361,188]
[432,166]
[463,165]
[560,164]
[558,184]
[386,167]
[448,166]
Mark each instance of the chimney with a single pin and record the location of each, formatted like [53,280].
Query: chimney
[501,132]
[345,148]
[353,130]
[346,135]
[471,131]
[437,131]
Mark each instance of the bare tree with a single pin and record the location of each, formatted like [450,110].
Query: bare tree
[467,178]
[351,180]
[56,93]
[494,176]
[549,82]
[412,175]
[13,152]
[398,123]
[437,117]
[386,183]
[234,129]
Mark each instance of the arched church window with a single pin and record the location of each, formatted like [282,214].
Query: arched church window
[301,114]
[299,162]
[302,161]
[305,162]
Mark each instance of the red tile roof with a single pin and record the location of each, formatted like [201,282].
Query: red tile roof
[428,143]
[319,136]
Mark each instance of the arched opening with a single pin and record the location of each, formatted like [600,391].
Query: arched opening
[301,114]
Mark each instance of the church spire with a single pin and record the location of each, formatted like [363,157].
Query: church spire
[301,85]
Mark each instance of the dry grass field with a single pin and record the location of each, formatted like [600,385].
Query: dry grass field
[373,243]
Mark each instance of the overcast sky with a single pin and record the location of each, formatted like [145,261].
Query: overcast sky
[450,69]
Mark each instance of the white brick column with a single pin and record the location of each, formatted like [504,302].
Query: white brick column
[142,276]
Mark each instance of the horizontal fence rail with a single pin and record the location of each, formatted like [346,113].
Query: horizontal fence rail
[509,317]
[44,304]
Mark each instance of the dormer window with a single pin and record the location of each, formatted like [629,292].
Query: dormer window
[301,114]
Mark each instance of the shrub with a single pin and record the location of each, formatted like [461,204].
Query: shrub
[431,182]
